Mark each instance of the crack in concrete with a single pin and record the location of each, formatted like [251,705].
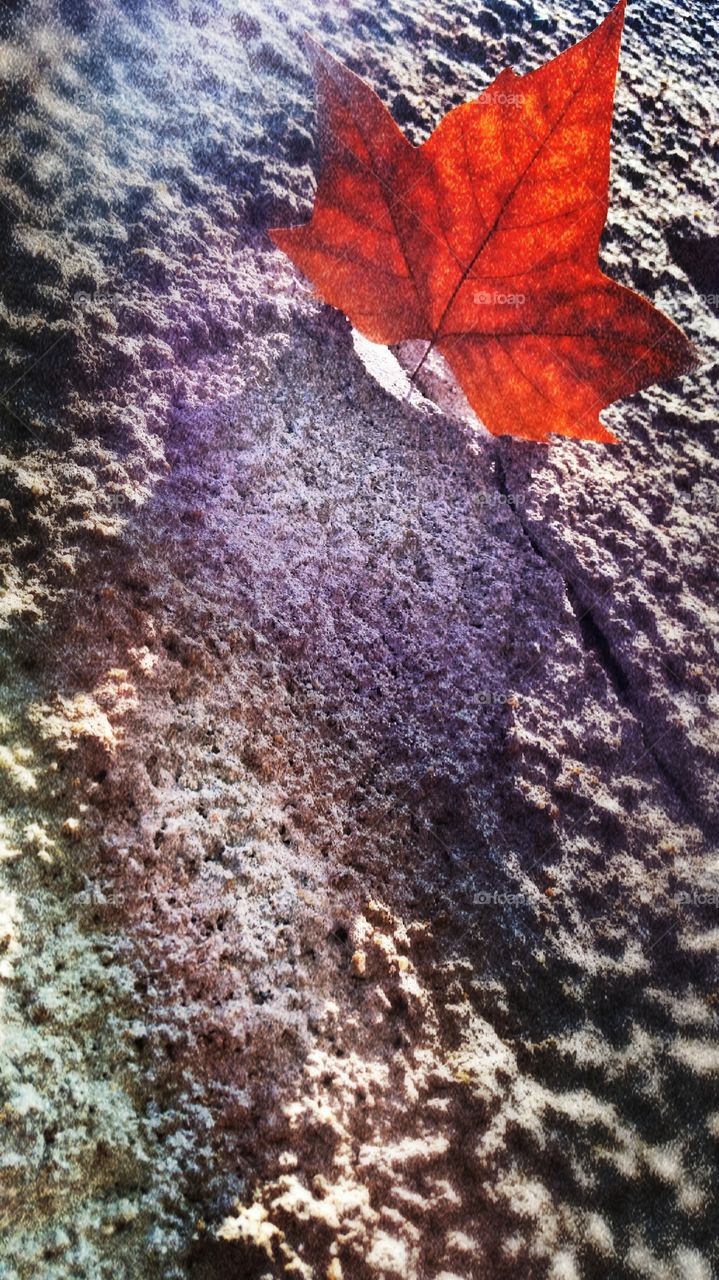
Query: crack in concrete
[596,641]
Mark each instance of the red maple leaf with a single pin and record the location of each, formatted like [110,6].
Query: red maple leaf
[484,241]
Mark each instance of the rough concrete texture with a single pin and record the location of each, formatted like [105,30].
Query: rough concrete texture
[359,863]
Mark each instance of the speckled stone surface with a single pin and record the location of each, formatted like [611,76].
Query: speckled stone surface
[359,879]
